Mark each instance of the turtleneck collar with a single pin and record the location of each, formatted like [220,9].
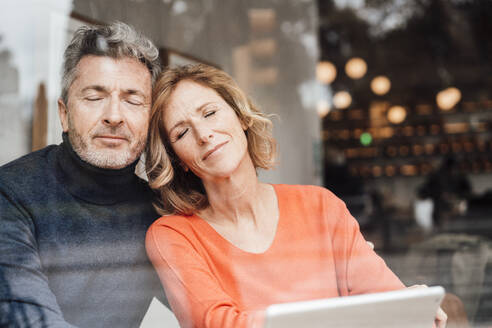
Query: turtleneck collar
[94,184]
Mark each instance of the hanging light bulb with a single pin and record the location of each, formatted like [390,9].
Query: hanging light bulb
[380,85]
[448,98]
[326,72]
[356,68]
[342,99]
[396,114]
[323,107]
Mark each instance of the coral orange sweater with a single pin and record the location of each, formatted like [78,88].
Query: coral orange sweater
[318,252]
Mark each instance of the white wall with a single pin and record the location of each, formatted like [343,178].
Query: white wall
[28,59]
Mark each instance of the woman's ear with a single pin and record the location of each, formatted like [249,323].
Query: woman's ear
[244,125]
[183,165]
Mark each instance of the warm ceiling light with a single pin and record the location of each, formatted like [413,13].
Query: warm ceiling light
[323,107]
[342,99]
[356,68]
[380,85]
[448,98]
[326,72]
[397,114]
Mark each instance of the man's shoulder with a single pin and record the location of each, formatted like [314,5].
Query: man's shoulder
[27,167]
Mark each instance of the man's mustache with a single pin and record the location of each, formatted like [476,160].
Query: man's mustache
[120,132]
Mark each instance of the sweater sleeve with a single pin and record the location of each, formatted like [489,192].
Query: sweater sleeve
[25,296]
[194,292]
[359,269]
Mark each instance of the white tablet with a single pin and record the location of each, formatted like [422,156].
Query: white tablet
[402,308]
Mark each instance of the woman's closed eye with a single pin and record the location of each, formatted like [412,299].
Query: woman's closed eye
[209,113]
[181,134]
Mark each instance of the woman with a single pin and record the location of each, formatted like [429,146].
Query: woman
[230,245]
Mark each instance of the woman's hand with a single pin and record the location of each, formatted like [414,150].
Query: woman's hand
[441,316]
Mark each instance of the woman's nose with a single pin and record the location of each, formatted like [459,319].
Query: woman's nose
[204,135]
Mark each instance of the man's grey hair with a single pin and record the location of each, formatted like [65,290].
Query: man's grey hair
[117,40]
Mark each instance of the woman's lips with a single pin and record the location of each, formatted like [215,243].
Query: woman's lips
[213,150]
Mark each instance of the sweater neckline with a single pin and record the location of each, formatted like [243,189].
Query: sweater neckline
[228,246]
[94,184]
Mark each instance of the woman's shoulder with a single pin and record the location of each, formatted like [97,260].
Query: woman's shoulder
[180,224]
[173,220]
[305,192]
[170,230]
[310,198]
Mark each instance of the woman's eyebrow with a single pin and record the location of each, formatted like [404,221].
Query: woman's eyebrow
[198,109]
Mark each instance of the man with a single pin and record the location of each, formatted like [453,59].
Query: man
[73,217]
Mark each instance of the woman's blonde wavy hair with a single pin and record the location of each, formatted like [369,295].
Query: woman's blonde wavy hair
[180,191]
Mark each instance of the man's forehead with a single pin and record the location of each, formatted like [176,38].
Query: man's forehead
[124,64]
[128,73]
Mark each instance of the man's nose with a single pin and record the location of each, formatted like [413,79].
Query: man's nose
[113,115]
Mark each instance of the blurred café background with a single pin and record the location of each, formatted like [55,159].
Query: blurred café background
[388,103]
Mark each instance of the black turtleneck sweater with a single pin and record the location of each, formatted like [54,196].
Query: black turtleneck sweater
[72,243]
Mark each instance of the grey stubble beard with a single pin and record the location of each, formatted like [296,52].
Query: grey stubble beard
[103,158]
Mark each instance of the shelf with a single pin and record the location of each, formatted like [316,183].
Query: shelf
[415,147]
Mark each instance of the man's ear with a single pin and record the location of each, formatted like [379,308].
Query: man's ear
[63,114]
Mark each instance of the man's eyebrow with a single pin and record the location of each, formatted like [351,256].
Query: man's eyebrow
[100,88]
[134,92]
[95,87]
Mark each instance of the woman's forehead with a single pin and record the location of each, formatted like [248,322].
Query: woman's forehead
[190,95]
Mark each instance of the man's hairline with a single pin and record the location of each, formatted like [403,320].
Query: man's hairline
[76,73]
